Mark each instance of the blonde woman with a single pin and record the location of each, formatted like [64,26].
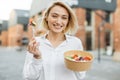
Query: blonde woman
[44,59]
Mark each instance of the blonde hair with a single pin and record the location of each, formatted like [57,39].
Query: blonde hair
[72,22]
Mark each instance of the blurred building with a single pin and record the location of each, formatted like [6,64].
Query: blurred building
[3,32]
[19,17]
[18,22]
[86,20]
[14,31]
[0,30]
[98,23]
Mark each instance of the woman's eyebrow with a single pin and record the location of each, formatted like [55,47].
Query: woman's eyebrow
[58,14]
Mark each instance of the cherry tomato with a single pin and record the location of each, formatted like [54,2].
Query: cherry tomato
[75,56]
[87,58]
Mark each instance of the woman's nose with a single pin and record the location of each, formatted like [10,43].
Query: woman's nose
[59,20]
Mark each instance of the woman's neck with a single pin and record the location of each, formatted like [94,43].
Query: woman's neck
[56,36]
[55,39]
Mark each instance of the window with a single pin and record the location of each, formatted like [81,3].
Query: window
[25,41]
[88,41]
[88,17]
[0,42]
[25,27]
[0,28]
[107,18]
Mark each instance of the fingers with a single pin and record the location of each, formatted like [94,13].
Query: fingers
[33,46]
[32,39]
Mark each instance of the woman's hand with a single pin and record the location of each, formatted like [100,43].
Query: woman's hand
[33,48]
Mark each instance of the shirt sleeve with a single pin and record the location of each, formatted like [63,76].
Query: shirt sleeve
[80,75]
[33,68]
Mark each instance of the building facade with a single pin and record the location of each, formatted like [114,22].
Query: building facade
[3,32]
[97,28]
[13,32]
[18,23]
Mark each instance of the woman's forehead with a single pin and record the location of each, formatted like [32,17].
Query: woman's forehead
[59,9]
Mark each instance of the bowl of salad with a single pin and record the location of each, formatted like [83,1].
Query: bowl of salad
[77,60]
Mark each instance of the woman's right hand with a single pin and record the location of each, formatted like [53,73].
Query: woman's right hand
[33,48]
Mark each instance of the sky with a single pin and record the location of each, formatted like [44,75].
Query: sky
[6,6]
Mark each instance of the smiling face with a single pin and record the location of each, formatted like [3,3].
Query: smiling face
[57,19]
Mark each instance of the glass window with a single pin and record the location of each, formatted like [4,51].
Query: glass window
[88,17]
[107,18]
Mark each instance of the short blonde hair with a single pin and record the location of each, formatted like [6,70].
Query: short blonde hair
[72,22]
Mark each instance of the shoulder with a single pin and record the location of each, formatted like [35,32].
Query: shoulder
[73,38]
[74,41]
[39,38]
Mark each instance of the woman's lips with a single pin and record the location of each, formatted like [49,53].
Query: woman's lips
[57,26]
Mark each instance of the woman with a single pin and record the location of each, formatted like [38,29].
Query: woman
[45,60]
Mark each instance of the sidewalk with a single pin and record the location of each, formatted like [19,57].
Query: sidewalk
[105,69]
[11,65]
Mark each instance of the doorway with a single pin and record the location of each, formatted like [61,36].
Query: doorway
[88,41]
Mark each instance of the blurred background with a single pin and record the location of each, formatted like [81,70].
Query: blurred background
[98,29]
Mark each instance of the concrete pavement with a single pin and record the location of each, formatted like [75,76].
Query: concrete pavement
[11,65]
[107,69]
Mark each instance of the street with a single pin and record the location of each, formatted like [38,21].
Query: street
[11,65]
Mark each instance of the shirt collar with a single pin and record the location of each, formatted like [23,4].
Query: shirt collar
[66,36]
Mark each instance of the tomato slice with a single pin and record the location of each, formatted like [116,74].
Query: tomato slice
[87,58]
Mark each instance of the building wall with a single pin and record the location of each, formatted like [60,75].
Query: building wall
[99,31]
[13,18]
[4,38]
[15,34]
[81,13]
[116,32]
[36,6]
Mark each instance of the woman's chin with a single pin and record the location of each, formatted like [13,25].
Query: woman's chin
[57,31]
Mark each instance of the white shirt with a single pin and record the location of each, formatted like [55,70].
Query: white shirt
[52,66]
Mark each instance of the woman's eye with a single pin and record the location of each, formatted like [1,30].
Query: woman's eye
[54,16]
[65,18]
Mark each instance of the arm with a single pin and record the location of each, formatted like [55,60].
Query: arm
[33,68]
